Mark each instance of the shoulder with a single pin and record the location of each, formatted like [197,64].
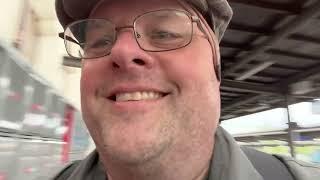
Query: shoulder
[67,170]
[88,168]
[301,170]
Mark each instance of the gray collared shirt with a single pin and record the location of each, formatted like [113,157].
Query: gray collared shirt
[228,163]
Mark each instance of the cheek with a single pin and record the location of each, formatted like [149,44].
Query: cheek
[87,84]
[91,80]
[190,65]
[91,77]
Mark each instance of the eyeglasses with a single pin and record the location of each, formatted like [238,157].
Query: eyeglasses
[155,31]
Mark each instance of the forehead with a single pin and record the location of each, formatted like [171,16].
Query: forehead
[126,10]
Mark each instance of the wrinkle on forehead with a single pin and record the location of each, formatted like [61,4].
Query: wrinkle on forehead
[123,12]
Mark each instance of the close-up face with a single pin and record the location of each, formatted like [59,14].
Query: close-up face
[140,104]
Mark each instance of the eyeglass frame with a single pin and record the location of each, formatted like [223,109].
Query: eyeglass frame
[192,18]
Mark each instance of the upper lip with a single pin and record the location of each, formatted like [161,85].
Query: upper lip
[133,88]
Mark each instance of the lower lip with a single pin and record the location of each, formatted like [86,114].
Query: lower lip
[136,105]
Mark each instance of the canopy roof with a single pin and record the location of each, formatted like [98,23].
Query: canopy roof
[271,49]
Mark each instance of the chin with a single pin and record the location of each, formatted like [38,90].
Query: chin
[131,146]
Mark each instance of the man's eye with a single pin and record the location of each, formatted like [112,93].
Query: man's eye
[163,35]
[100,43]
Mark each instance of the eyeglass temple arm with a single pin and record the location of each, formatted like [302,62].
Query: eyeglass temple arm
[197,21]
[217,66]
[61,35]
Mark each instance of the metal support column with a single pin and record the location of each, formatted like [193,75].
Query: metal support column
[290,128]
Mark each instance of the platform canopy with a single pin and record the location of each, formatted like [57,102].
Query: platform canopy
[270,51]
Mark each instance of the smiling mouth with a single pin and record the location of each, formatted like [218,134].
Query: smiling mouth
[137,96]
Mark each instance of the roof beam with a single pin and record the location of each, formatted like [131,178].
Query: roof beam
[264,32]
[259,78]
[251,87]
[248,47]
[229,94]
[304,38]
[290,28]
[292,54]
[228,62]
[232,45]
[247,74]
[284,8]
[249,29]
[238,113]
[242,100]
[300,76]
[284,84]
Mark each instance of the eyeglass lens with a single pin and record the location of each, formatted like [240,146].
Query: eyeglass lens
[160,30]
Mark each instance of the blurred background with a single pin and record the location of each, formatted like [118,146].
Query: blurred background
[41,129]
[270,89]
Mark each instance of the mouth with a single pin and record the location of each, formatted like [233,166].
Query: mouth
[137,96]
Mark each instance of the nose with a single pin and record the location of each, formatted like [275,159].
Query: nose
[127,54]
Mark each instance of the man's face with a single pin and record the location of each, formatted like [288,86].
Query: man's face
[180,102]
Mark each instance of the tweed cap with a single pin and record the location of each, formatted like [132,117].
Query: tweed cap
[218,13]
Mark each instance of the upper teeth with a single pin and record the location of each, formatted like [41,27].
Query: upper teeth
[136,96]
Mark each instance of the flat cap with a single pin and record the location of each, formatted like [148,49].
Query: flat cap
[218,13]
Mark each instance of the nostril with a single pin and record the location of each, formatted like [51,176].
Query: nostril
[139,61]
[115,65]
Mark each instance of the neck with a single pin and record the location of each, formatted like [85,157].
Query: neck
[174,164]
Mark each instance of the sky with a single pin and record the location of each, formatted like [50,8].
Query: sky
[306,114]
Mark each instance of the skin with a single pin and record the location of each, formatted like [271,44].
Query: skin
[169,138]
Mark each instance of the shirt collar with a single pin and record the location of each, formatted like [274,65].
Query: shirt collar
[228,162]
